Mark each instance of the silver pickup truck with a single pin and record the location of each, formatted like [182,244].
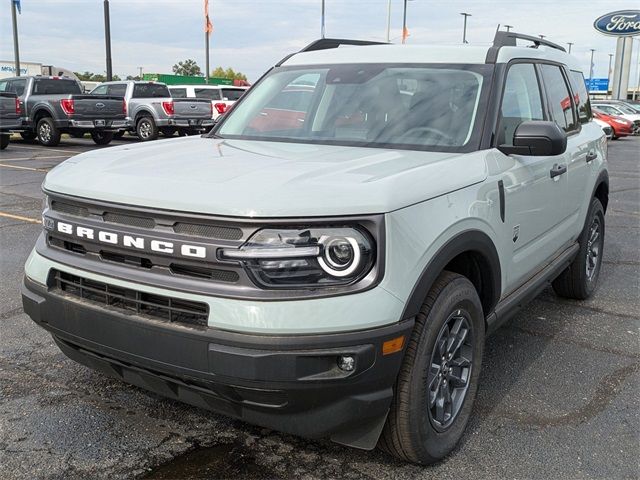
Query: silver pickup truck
[9,116]
[151,109]
[51,106]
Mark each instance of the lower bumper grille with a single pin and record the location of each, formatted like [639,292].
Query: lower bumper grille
[157,307]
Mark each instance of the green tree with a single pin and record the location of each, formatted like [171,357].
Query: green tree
[188,68]
[230,73]
[93,77]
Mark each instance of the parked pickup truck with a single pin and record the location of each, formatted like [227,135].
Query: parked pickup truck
[222,96]
[150,109]
[51,106]
[9,116]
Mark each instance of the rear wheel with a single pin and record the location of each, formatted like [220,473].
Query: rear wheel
[439,376]
[118,134]
[48,133]
[77,134]
[168,131]
[4,141]
[146,129]
[102,138]
[580,279]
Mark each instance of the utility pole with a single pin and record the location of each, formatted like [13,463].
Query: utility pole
[107,39]
[322,30]
[609,72]
[508,27]
[388,21]
[591,68]
[638,68]
[140,74]
[464,28]
[16,49]
[404,23]
[570,43]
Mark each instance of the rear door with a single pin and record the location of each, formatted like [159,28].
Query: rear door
[533,200]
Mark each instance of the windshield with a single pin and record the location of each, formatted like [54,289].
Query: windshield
[429,107]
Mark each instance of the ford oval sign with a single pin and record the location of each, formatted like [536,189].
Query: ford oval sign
[624,23]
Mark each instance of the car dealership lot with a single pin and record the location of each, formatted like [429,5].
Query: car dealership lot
[559,395]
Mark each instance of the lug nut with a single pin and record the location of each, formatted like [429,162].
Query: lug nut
[346,363]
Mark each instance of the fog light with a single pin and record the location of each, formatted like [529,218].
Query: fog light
[346,363]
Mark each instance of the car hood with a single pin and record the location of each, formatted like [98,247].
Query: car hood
[263,179]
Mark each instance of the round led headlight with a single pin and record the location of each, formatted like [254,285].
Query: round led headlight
[341,256]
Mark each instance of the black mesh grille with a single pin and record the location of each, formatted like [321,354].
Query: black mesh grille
[141,222]
[69,209]
[158,307]
[209,231]
[214,274]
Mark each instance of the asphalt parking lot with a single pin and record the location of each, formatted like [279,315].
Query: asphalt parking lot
[559,394]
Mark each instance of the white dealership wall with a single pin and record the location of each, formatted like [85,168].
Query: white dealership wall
[7,69]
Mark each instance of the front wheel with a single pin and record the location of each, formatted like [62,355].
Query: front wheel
[102,138]
[28,136]
[48,133]
[168,131]
[438,380]
[580,279]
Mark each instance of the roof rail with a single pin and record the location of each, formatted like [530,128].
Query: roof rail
[508,39]
[326,43]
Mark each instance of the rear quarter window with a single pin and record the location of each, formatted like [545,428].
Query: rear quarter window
[580,96]
[178,92]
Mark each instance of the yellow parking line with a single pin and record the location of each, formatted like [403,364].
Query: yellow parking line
[24,168]
[20,217]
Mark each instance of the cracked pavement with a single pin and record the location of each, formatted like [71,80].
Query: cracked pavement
[559,394]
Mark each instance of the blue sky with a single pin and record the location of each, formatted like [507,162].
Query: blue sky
[251,35]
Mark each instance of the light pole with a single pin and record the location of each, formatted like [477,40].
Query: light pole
[405,32]
[464,28]
[388,21]
[609,72]
[638,68]
[16,49]
[107,40]
[570,43]
[140,74]
[322,21]
[508,27]
[591,68]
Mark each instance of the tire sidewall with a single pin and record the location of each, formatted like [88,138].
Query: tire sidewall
[458,294]
[102,138]
[595,210]
[4,141]
[54,138]
[154,129]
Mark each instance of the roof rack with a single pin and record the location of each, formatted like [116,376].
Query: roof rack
[326,43]
[508,39]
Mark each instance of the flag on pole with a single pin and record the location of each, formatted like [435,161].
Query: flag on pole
[208,27]
[17,4]
[405,34]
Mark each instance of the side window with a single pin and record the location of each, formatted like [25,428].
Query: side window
[521,101]
[101,90]
[117,89]
[560,103]
[580,96]
[178,92]
[4,86]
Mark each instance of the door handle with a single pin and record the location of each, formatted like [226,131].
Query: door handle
[558,169]
[591,156]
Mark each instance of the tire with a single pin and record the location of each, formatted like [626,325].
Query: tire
[413,431]
[118,134]
[168,131]
[102,138]
[146,129]
[77,134]
[48,133]
[28,136]
[4,141]
[580,279]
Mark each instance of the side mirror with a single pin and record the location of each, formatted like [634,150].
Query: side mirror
[538,138]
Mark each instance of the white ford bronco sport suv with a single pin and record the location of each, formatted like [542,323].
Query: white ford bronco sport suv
[330,258]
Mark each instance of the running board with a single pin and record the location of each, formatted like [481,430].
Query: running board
[509,306]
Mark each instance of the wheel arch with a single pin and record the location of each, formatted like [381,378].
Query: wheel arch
[143,113]
[41,112]
[470,253]
[601,189]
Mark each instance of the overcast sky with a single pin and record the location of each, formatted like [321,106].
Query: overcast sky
[251,35]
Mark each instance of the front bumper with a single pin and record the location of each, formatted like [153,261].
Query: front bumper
[289,383]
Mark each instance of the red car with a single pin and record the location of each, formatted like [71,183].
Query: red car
[621,127]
